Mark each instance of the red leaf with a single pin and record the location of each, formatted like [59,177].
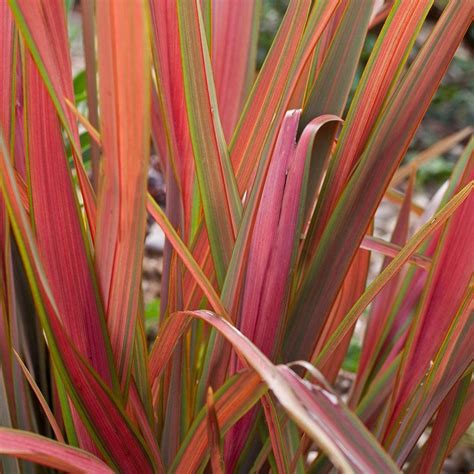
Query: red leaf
[124,86]
[233,57]
[41,450]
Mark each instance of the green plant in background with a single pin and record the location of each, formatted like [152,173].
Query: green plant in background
[273,180]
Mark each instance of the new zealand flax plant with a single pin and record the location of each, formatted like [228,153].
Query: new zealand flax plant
[272,179]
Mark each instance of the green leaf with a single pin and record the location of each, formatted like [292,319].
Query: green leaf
[351,362]
[152,310]
[80,87]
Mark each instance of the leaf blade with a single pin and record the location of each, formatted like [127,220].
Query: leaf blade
[121,215]
[50,453]
[218,189]
[357,204]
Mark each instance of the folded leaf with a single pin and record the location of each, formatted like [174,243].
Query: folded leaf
[363,192]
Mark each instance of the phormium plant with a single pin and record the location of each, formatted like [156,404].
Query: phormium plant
[272,183]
